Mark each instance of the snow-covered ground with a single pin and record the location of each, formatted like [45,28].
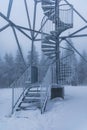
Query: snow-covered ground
[67,114]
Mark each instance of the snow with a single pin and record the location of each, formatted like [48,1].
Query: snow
[67,114]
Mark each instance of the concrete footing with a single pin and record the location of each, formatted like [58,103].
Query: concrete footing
[57,91]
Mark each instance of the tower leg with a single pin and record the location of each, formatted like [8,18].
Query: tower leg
[57,90]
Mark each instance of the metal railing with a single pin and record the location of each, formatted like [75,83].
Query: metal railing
[45,89]
[19,87]
[65,17]
[66,14]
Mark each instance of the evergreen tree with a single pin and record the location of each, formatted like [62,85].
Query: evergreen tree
[43,66]
[8,70]
[1,72]
[82,69]
[35,57]
[19,65]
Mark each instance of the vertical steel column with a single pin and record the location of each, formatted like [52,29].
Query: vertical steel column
[12,100]
[9,8]
[28,17]
[17,41]
[34,20]
[57,39]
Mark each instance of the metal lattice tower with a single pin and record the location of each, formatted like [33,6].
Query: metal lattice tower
[58,14]
[58,18]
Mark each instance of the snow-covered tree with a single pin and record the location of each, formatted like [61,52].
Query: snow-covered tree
[19,65]
[35,57]
[1,72]
[43,66]
[82,69]
[8,70]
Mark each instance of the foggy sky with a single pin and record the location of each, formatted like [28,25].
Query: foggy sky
[18,16]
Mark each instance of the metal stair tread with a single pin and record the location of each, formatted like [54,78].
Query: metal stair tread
[49,53]
[48,2]
[30,101]
[27,107]
[33,95]
[48,42]
[48,46]
[32,98]
[34,90]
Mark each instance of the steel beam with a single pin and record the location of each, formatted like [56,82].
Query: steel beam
[57,41]
[33,33]
[9,8]
[3,28]
[75,36]
[28,29]
[28,17]
[16,38]
[76,50]
[79,30]
[12,24]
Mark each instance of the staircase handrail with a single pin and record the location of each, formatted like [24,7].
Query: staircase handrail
[19,83]
[45,89]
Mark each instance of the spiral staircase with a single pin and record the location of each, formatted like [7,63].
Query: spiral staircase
[57,19]
[64,22]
